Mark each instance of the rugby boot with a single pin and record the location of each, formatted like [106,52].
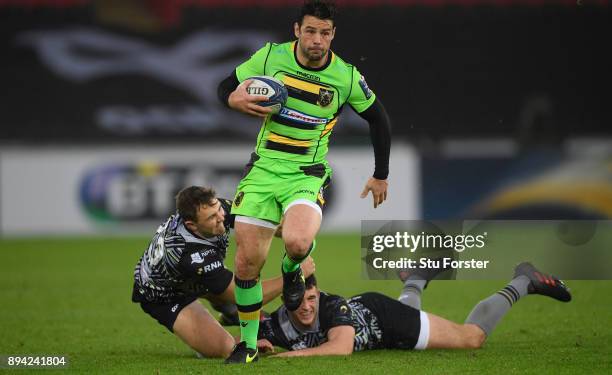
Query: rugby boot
[541,283]
[242,354]
[294,287]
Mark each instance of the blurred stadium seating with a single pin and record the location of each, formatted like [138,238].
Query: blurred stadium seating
[496,105]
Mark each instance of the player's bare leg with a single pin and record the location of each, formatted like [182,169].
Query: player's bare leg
[485,316]
[444,334]
[253,238]
[252,245]
[300,226]
[198,329]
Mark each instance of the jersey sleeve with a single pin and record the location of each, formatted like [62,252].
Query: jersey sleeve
[255,66]
[206,267]
[361,97]
[335,312]
[229,218]
[269,329]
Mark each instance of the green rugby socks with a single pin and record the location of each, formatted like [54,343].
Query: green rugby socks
[249,298]
[291,264]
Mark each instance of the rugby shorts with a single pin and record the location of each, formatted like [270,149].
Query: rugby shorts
[403,327]
[270,186]
[164,312]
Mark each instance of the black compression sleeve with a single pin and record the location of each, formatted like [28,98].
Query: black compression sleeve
[380,134]
[226,87]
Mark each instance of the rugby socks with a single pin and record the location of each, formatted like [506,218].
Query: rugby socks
[292,264]
[249,298]
[487,313]
[411,293]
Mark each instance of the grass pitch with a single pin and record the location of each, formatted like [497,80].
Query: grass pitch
[72,297]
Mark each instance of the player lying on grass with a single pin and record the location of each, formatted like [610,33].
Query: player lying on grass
[326,324]
[183,262]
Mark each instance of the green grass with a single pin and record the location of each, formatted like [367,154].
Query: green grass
[72,297]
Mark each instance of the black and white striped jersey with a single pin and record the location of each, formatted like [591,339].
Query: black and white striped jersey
[179,263]
[334,311]
[281,331]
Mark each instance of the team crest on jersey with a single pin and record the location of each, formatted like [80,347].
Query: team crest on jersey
[325,97]
[364,87]
[238,199]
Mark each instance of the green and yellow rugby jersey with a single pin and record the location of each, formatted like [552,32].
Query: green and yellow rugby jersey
[300,131]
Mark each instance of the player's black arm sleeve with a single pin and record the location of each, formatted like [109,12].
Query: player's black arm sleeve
[226,87]
[380,134]
[229,218]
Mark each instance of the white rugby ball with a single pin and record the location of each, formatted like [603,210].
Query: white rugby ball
[270,87]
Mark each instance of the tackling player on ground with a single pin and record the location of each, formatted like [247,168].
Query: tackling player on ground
[288,172]
[183,262]
[326,324]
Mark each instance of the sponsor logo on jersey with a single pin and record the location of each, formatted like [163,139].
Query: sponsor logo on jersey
[174,307]
[303,118]
[304,191]
[213,266]
[308,76]
[196,258]
[364,87]
[325,97]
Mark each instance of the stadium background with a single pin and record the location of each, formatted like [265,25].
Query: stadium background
[500,110]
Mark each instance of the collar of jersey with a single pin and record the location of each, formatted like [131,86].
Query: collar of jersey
[196,235]
[330,57]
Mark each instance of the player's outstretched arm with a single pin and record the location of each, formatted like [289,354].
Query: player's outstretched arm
[380,134]
[234,95]
[340,341]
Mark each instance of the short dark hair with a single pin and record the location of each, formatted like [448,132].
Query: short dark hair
[311,281]
[189,200]
[322,9]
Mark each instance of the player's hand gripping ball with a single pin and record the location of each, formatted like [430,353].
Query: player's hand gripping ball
[270,87]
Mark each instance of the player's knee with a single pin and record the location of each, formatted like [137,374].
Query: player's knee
[221,350]
[475,339]
[245,267]
[228,346]
[297,246]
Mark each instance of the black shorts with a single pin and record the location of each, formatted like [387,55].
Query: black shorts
[164,313]
[401,324]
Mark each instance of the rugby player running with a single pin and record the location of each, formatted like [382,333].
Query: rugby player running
[288,172]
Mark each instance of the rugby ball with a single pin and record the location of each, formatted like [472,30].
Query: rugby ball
[270,87]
